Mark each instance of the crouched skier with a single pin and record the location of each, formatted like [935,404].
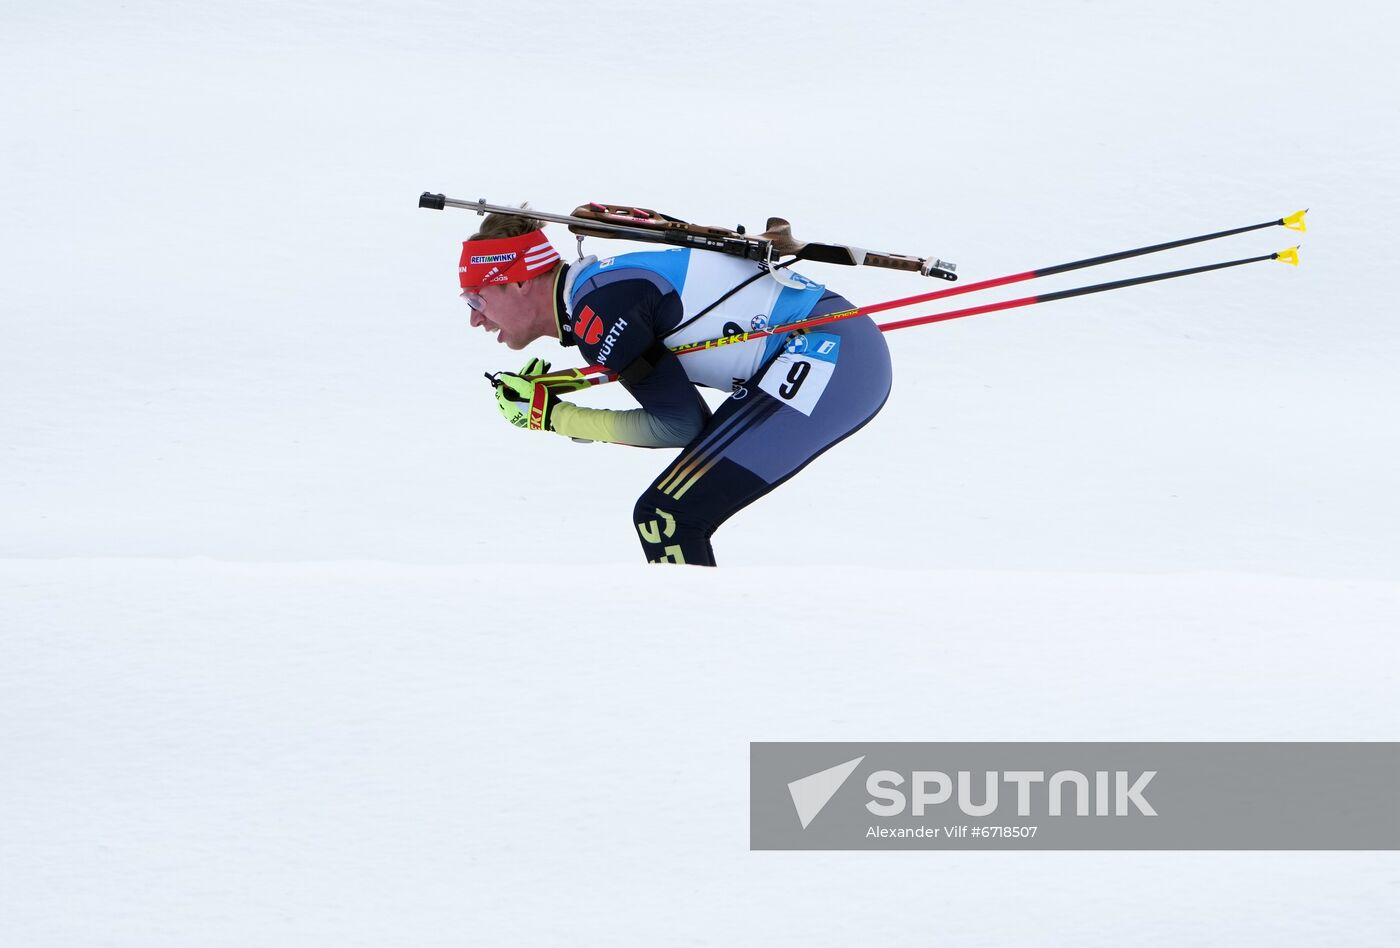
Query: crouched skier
[792,395]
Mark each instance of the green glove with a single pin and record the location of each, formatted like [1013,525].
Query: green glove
[527,398]
[565,380]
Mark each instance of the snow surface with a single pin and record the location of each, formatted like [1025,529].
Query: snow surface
[299,644]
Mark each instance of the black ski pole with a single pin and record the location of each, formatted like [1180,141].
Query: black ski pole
[1286,256]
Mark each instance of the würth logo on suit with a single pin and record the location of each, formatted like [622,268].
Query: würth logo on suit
[588,328]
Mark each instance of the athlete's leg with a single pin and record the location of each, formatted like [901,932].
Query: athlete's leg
[764,433]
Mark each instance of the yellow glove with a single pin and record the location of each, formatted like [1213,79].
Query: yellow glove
[527,398]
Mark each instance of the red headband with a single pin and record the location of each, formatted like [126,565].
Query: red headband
[505,260]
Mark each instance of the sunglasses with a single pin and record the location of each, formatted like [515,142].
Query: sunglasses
[474,300]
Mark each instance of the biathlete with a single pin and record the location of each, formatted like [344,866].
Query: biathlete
[793,395]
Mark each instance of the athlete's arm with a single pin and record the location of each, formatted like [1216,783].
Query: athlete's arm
[614,325]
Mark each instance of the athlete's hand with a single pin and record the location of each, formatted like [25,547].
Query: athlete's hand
[523,402]
[527,398]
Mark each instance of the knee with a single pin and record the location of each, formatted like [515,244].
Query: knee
[667,535]
[654,525]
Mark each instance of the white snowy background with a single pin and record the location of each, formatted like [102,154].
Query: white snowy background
[301,644]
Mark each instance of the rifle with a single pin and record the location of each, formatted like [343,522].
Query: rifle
[642,224]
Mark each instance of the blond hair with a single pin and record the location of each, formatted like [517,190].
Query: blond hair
[496,226]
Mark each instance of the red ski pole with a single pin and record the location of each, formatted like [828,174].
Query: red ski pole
[1293,221]
[1287,256]
[598,375]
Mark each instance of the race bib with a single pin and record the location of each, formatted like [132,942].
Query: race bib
[800,375]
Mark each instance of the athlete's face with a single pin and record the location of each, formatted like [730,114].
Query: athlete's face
[507,310]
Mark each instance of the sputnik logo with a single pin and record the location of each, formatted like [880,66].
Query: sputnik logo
[810,794]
